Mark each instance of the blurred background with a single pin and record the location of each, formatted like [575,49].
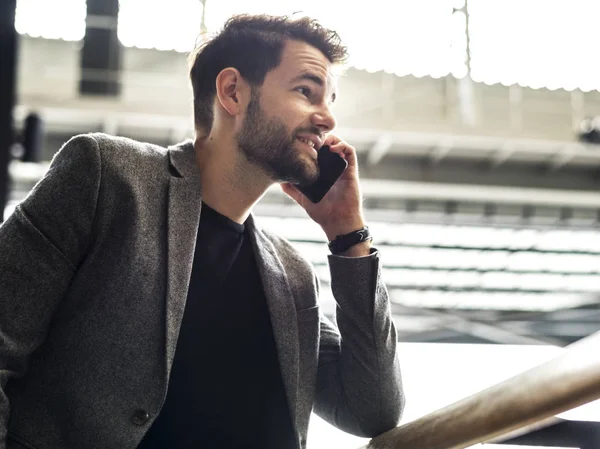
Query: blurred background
[477,124]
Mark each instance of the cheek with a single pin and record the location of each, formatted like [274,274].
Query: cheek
[297,116]
[289,110]
[291,119]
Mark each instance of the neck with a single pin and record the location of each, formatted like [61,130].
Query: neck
[230,184]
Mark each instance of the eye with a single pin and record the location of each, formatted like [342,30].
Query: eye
[304,91]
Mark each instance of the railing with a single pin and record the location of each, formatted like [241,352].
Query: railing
[533,397]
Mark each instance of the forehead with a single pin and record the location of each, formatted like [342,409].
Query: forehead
[300,58]
[297,54]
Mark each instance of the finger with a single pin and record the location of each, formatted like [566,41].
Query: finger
[346,151]
[339,148]
[331,139]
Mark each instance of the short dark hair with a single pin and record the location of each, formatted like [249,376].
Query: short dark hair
[253,44]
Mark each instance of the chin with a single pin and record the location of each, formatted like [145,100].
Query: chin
[308,177]
[304,176]
[310,172]
[302,171]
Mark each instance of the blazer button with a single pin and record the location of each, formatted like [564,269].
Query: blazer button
[140,417]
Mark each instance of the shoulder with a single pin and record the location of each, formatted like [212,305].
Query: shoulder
[299,272]
[109,148]
[117,155]
[290,256]
[125,148]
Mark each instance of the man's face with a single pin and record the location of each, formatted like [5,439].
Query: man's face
[288,117]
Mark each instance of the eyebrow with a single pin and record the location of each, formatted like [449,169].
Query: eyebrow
[309,76]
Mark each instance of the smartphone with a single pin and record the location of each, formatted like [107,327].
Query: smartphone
[331,167]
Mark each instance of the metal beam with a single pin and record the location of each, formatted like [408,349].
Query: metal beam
[501,155]
[88,113]
[430,336]
[101,53]
[550,329]
[563,157]
[490,332]
[577,108]
[440,151]
[379,149]
[515,105]
[480,194]
[589,312]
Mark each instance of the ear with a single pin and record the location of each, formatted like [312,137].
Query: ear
[233,92]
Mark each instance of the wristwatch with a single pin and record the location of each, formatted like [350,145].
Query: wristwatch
[343,243]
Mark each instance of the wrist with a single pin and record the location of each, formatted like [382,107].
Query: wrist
[343,244]
[342,228]
[359,250]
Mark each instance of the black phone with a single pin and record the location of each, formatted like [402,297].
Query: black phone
[331,167]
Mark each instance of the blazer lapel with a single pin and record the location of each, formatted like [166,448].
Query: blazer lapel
[185,202]
[282,309]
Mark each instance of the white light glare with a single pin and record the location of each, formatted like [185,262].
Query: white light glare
[173,25]
[57,19]
[513,43]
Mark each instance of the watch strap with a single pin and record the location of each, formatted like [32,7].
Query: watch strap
[343,243]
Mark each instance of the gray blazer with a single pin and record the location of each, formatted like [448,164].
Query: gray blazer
[94,272]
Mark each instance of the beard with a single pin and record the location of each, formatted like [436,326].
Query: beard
[268,144]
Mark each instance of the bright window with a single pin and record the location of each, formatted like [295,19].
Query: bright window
[410,37]
[172,25]
[536,43]
[67,19]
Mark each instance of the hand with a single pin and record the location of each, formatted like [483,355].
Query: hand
[340,210]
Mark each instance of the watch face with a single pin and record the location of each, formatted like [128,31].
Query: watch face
[345,242]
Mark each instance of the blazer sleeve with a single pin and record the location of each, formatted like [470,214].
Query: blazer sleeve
[359,387]
[41,245]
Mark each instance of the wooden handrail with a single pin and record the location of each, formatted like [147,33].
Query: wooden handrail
[565,382]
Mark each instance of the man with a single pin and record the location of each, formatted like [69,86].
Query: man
[142,306]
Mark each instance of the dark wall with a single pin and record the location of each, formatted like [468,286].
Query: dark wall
[8,51]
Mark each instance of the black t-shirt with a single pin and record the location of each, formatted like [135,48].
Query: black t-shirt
[226,389]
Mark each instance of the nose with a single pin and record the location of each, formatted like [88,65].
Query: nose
[324,119]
